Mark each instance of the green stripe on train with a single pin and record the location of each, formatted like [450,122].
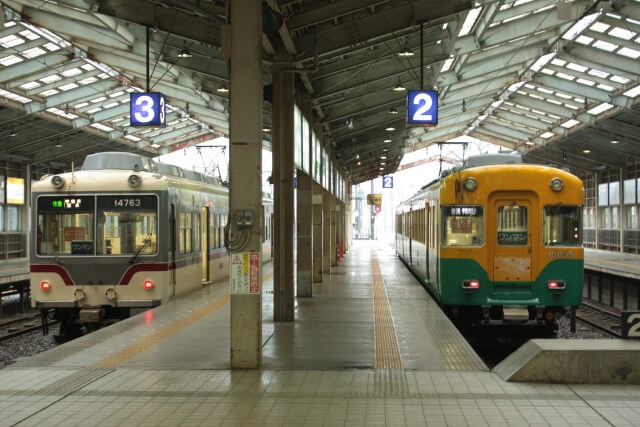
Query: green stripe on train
[453,271]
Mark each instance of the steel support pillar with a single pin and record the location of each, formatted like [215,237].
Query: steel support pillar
[304,222]
[283,168]
[317,232]
[245,198]
[327,204]
[334,230]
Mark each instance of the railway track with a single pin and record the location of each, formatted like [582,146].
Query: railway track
[19,325]
[601,318]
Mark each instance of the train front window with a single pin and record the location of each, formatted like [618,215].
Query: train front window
[462,226]
[65,225]
[127,225]
[562,225]
[513,225]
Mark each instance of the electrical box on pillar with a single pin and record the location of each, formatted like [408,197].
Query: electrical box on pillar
[374,199]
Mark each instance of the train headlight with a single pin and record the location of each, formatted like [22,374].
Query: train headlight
[470,184]
[111,294]
[57,181]
[134,180]
[471,284]
[147,285]
[45,286]
[79,294]
[556,285]
[557,184]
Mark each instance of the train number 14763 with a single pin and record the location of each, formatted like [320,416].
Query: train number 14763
[126,203]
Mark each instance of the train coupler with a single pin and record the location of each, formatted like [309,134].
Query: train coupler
[486,309]
[540,314]
[91,315]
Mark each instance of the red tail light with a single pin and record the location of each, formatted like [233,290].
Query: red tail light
[471,284]
[148,285]
[556,284]
[45,286]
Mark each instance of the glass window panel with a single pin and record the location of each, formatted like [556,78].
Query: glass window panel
[632,219]
[305,145]
[614,193]
[462,226]
[629,191]
[297,137]
[127,225]
[513,225]
[603,194]
[1,218]
[561,226]
[65,225]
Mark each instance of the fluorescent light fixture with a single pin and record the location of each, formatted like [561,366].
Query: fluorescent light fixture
[399,87]
[543,61]
[470,21]
[614,141]
[586,151]
[222,89]
[581,25]
[390,129]
[387,140]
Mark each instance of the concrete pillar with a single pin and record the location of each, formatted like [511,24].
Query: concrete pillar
[327,199]
[341,227]
[304,225]
[317,232]
[348,218]
[245,196]
[283,171]
[334,230]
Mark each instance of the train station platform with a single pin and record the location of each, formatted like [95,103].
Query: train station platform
[369,348]
[615,263]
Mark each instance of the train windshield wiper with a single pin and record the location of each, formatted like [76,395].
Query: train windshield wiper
[144,243]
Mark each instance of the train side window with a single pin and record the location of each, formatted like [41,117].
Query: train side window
[185,232]
[513,225]
[462,225]
[562,226]
[196,232]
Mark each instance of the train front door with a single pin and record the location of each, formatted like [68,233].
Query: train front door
[512,239]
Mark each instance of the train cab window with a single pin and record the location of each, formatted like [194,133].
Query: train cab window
[562,225]
[462,225]
[513,225]
[65,225]
[127,224]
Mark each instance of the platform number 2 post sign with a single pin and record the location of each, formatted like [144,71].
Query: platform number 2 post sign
[422,107]
[148,109]
[387,181]
[630,324]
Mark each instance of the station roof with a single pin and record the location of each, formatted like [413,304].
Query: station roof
[555,80]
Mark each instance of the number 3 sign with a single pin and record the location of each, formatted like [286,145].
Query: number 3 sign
[148,109]
[422,107]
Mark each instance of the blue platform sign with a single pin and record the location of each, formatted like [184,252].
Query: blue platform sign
[387,181]
[422,107]
[148,109]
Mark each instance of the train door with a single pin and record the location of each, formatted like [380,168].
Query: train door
[172,248]
[513,240]
[204,217]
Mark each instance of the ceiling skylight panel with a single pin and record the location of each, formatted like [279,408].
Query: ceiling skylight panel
[102,127]
[88,80]
[606,87]
[14,96]
[622,33]
[116,94]
[81,105]
[598,73]
[633,92]
[619,79]
[569,123]
[516,86]
[51,47]
[521,2]
[629,53]
[599,109]
[585,81]
[565,76]
[470,21]
[68,86]
[34,52]
[9,24]
[579,100]
[558,62]
[50,78]
[603,45]
[563,95]
[600,27]
[94,110]
[547,135]
[577,67]
[513,18]
[48,92]
[132,138]
[580,26]
[10,60]
[548,71]
[98,99]
[571,106]
[30,85]
[62,113]
[11,41]
[447,64]
[110,105]
[87,67]
[71,72]
[529,86]
[534,96]
[542,113]
[586,40]
[543,61]
[544,90]
[553,101]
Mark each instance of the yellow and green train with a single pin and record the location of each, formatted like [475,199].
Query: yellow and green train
[497,241]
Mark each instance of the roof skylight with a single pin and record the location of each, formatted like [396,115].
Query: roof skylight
[580,26]
[569,123]
[547,135]
[628,52]
[622,33]
[470,21]
[632,93]
[601,108]
[601,44]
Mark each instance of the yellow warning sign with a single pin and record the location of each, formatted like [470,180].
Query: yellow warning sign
[245,262]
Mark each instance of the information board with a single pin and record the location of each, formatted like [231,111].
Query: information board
[148,109]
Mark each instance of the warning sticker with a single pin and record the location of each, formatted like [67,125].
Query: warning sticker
[245,272]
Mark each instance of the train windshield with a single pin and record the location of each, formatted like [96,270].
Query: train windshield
[513,228]
[127,225]
[97,225]
[462,226]
[562,225]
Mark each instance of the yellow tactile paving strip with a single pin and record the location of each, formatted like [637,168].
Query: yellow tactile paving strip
[129,352]
[387,350]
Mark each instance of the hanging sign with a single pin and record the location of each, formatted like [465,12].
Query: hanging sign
[422,107]
[148,109]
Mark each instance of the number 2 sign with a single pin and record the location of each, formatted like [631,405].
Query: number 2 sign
[422,107]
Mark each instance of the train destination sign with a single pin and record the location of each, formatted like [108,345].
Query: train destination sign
[422,107]
[148,109]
